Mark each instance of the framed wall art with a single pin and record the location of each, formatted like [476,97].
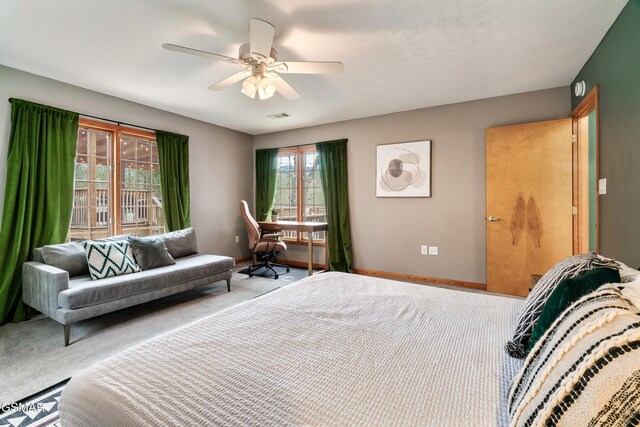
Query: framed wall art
[403,169]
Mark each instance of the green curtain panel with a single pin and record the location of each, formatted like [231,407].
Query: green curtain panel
[38,195]
[332,163]
[173,154]
[266,175]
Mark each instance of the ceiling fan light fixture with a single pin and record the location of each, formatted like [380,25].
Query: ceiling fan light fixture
[261,67]
[250,86]
[266,87]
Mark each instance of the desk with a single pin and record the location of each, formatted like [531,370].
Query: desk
[300,227]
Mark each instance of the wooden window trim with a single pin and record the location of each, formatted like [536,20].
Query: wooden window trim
[300,152]
[115,187]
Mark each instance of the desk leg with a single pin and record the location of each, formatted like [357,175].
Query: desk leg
[327,267]
[310,253]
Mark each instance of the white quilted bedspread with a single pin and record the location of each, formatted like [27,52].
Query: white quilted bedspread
[332,349]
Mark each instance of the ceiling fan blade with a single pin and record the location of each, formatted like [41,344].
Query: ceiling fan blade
[233,78]
[284,88]
[261,38]
[202,53]
[309,67]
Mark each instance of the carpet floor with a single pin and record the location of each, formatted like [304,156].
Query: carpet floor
[33,356]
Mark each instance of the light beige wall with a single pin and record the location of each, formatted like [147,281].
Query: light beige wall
[387,232]
[219,160]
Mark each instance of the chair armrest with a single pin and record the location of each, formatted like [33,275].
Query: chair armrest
[41,284]
[272,236]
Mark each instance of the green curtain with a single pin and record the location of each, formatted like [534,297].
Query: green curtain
[173,154]
[266,175]
[332,162]
[38,195]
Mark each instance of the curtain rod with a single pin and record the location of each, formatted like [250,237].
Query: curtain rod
[304,145]
[109,120]
[117,122]
[297,146]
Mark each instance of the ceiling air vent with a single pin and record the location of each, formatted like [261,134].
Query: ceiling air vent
[278,115]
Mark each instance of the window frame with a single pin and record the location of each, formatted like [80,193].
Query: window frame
[114,227]
[300,152]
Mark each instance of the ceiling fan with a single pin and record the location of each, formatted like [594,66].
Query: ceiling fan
[262,68]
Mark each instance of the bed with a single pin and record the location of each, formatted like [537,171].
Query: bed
[332,349]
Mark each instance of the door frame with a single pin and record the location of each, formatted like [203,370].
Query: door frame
[589,104]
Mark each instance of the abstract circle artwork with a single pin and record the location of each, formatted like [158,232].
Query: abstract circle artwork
[403,169]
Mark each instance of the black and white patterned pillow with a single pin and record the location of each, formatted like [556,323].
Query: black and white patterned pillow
[585,370]
[565,269]
[109,258]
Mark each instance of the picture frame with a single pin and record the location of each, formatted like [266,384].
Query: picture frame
[403,169]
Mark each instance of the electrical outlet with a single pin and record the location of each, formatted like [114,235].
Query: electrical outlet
[237,239]
[424,250]
[433,250]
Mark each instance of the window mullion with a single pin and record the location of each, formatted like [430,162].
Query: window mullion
[115,184]
[299,190]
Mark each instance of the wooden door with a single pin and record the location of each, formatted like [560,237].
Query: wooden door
[529,202]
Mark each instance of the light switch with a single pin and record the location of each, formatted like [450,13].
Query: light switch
[602,186]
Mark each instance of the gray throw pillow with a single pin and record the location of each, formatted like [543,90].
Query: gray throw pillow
[66,256]
[150,252]
[180,243]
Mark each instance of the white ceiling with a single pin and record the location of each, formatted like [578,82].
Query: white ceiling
[398,55]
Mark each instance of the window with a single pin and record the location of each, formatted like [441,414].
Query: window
[299,193]
[117,183]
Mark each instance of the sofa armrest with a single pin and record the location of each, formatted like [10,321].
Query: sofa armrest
[41,284]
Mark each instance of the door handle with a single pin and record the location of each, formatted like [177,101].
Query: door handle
[493,219]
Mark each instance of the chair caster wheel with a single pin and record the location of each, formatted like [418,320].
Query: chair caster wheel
[250,275]
[276,277]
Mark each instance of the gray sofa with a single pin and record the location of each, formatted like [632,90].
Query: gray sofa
[57,283]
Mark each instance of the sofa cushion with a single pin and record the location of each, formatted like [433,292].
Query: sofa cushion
[67,256]
[150,252]
[108,259]
[180,243]
[85,292]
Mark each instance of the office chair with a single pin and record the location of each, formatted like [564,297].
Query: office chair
[263,247]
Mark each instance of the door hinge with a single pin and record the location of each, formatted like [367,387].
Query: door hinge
[574,210]
[574,138]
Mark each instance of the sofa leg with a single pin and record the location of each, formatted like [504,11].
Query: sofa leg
[67,334]
[229,285]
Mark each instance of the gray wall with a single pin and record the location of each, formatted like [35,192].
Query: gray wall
[387,233]
[220,159]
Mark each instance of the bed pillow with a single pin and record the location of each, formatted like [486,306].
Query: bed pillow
[567,268]
[180,243]
[631,291]
[107,259]
[566,293]
[586,369]
[66,256]
[628,274]
[150,252]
